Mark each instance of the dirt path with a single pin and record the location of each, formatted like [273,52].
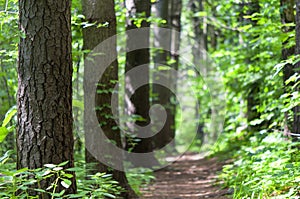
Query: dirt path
[189,177]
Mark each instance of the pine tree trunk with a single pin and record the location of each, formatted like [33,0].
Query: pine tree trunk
[44,133]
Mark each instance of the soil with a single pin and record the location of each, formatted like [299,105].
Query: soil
[191,176]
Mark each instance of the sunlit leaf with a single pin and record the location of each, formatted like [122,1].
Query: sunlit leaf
[3,133]
[9,115]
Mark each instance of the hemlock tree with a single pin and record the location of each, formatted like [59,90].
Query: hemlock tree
[44,133]
[102,15]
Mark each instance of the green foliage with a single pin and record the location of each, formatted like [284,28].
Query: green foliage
[248,54]
[264,167]
[139,178]
[99,185]
[4,130]
[9,38]
[19,183]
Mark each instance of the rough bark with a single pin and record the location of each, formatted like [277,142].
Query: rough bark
[44,133]
[103,12]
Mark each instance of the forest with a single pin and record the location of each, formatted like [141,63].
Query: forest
[149,99]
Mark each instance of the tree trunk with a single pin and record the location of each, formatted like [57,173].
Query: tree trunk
[296,110]
[199,50]
[162,95]
[175,25]
[212,30]
[44,133]
[101,13]
[138,103]
[254,88]
[287,17]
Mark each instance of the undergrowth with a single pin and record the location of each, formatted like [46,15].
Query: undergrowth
[19,183]
[265,165]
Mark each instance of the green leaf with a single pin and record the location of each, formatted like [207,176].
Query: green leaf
[63,164]
[12,111]
[66,183]
[58,194]
[256,122]
[76,169]
[67,175]
[58,168]
[109,195]
[21,170]
[200,14]
[3,133]
[46,173]
[78,195]
[50,165]
[40,190]
[293,78]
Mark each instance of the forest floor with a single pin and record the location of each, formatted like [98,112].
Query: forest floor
[191,176]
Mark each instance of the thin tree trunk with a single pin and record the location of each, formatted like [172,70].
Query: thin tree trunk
[44,133]
[175,25]
[212,30]
[100,13]
[160,94]
[138,103]
[254,89]
[287,17]
[200,48]
[296,110]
